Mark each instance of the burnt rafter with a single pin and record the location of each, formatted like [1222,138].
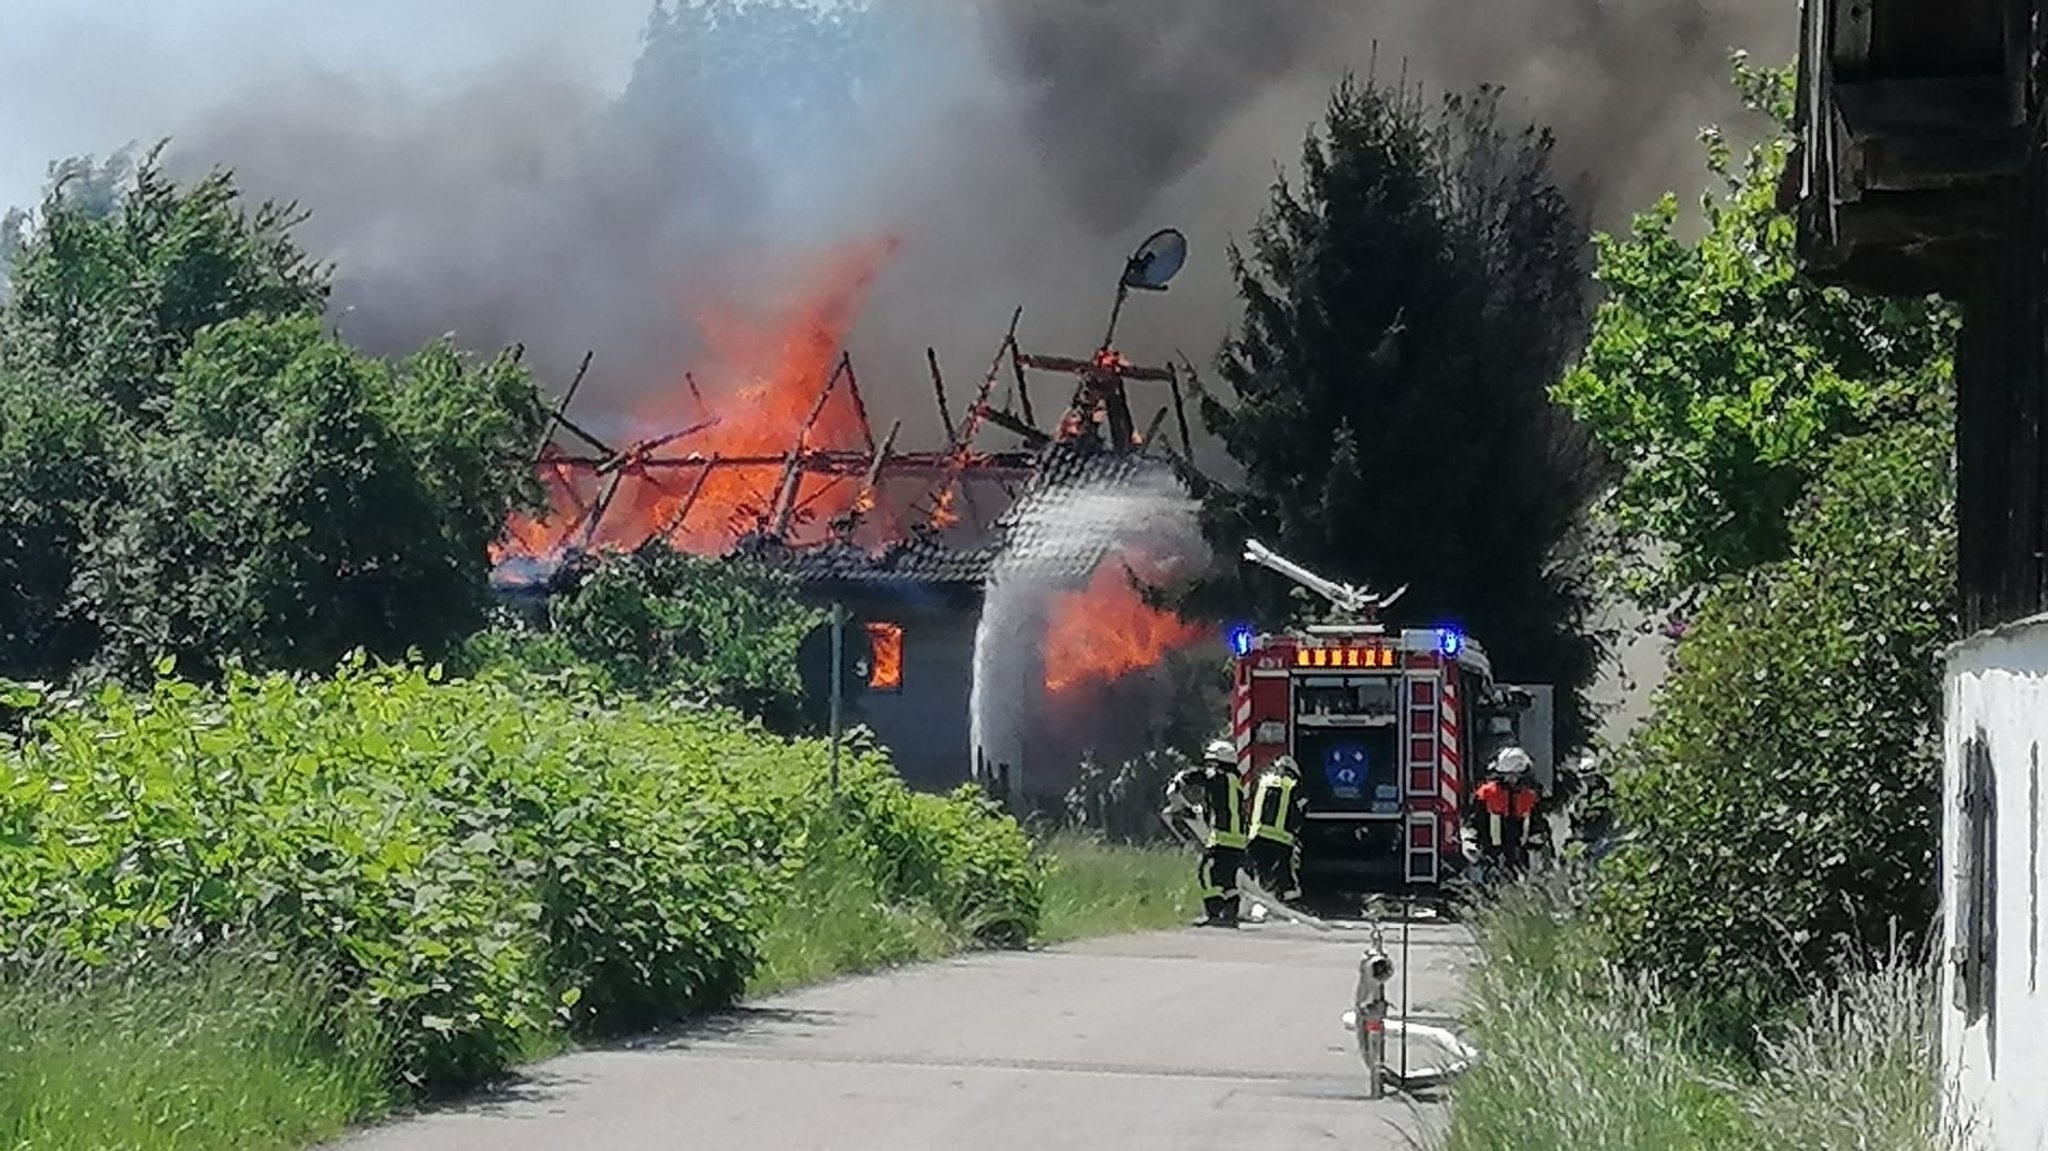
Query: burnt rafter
[572,460]
[673,471]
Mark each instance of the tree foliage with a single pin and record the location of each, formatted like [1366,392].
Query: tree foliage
[659,622]
[1407,306]
[1718,376]
[1785,797]
[198,471]
[91,185]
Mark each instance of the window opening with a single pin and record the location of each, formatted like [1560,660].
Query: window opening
[885,673]
[1977,898]
[2034,869]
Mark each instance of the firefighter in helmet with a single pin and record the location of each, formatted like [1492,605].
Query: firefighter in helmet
[1279,808]
[1508,800]
[1223,842]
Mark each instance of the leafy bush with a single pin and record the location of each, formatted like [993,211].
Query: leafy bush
[660,622]
[1784,798]
[480,862]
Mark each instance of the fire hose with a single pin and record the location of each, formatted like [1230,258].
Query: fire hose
[1372,1027]
[1369,1019]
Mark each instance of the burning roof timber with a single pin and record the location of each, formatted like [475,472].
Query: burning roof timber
[834,504]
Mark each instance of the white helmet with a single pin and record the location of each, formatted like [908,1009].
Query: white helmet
[1220,751]
[1512,761]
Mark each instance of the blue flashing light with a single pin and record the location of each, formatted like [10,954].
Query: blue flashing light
[1449,639]
[1241,640]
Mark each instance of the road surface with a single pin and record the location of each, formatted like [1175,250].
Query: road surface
[1185,1041]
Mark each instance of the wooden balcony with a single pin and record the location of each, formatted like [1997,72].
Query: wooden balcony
[1913,121]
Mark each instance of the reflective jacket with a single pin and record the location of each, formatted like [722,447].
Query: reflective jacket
[1278,808]
[1508,807]
[1223,806]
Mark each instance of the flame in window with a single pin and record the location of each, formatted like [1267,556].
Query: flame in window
[886,673]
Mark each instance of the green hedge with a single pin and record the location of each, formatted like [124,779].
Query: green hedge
[484,862]
[1783,803]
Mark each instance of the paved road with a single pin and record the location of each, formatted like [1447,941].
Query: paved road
[1183,1041]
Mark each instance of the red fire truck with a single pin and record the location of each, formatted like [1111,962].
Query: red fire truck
[1391,729]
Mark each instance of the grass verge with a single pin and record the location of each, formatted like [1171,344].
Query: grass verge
[1580,1057]
[1094,888]
[238,1049]
[233,1050]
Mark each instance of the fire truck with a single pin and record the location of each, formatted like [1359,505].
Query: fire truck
[1390,728]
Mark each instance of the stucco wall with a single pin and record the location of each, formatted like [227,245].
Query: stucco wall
[1997,696]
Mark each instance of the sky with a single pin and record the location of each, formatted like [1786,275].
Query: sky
[88,75]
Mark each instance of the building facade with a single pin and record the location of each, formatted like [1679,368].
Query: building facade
[1921,168]
[1994,1002]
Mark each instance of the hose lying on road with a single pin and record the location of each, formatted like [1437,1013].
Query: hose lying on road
[1462,1054]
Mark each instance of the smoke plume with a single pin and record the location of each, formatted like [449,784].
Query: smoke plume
[538,189]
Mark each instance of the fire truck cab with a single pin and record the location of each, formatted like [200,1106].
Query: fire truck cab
[1390,728]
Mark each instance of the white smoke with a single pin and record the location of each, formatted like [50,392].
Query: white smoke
[1052,535]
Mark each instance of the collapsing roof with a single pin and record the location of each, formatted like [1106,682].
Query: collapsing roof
[1070,493]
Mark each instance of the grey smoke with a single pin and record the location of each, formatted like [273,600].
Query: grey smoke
[1021,148]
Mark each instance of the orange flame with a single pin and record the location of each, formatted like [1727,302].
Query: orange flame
[943,515]
[763,381]
[1106,631]
[887,641]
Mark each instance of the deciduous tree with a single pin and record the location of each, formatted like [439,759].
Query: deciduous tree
[1719,377]
[197,470]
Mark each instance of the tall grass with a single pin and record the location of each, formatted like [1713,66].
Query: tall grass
[1577,1056]
[237,1049]
[1095,888]
[837,920]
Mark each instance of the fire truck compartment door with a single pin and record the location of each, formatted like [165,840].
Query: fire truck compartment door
[1350,771]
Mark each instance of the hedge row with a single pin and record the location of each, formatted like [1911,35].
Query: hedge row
[483,861]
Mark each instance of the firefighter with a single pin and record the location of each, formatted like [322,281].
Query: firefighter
[1279,807]
[1509,802]
[1183,803]
[1223,842]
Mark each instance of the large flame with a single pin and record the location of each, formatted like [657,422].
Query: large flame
[763,380]
[1106,631]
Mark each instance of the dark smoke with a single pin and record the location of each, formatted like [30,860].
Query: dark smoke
[1017,147]
[1139,94]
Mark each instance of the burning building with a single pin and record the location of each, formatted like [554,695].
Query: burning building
[992,585]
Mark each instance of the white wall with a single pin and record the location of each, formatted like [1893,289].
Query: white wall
[1997,692]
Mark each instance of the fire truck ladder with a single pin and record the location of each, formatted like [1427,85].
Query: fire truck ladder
[1420,827]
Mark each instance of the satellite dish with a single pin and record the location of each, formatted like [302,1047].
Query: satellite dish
[1156,261]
